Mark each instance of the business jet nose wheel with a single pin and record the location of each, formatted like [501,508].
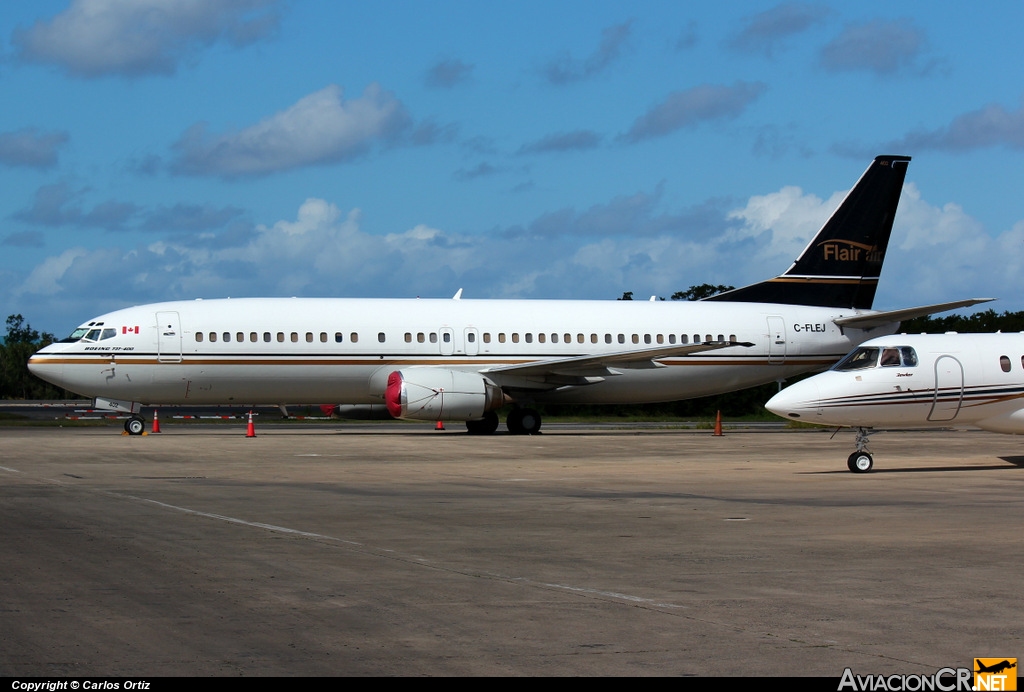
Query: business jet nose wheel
[860,462]
[135,425]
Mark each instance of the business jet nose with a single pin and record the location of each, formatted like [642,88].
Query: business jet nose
[797,401]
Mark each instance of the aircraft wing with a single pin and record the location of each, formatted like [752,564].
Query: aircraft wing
[876,319]
[582,370]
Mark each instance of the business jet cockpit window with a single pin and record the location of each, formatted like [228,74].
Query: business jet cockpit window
[873,356]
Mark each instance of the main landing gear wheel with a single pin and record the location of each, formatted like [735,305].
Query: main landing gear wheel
[135,425]
[484,426]
[860,462]
[523,421]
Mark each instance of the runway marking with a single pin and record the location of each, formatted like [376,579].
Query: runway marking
[609,594]
[391,554]
[674,610]
[383,552]
[235,520]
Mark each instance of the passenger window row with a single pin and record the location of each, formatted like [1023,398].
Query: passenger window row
[446,337]
[279,337]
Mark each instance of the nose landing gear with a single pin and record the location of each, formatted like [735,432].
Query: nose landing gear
[861,461]
[135,425]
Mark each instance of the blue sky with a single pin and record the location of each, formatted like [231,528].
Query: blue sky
[165,149]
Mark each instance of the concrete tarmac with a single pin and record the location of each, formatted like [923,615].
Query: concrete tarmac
[398,550]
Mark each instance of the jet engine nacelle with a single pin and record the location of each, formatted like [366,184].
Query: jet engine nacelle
[437,394]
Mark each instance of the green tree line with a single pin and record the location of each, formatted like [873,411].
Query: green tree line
[979,322]
[19,343]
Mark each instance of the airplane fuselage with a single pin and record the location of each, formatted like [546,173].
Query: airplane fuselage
[923,380]
[304,350]
[462,360]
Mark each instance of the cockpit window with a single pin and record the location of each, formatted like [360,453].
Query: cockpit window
[890,357]
[865,357]
[90,332]
[886,357]
[75,335]
[909,356]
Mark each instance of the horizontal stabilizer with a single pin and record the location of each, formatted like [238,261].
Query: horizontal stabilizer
[877,319]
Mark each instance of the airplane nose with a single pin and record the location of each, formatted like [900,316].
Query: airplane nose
[45,369]
[797,401]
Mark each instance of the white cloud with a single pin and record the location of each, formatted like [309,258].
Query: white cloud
[448,73]
[319,128]
[942,253]
[766,31]
[45,279]
[691,107]
[882,47]
[31,148]
[938,252]
[791,216]
[991,125]
[926,226]
[577,140]
[565,70]
[313,214]
[92,38]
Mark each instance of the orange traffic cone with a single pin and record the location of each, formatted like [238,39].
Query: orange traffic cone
[156,422]
[718,424]
[251,430]
[439,426]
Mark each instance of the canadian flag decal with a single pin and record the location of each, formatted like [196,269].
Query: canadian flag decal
[130,330]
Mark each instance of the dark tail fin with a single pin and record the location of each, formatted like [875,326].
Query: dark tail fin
[840,267]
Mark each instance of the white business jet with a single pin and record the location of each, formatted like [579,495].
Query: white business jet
[914,381]
[461,360]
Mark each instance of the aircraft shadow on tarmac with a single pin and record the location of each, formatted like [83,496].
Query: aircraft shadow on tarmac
[1017,461]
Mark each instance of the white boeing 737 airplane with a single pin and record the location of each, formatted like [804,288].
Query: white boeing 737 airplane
[915,381]
[461,360]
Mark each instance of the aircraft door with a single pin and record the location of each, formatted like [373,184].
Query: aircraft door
[949,389]
[446,340]
[472,338]
[168,339]
[776,340]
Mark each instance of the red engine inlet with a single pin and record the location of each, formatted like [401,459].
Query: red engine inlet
[437,394]
[393,394]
